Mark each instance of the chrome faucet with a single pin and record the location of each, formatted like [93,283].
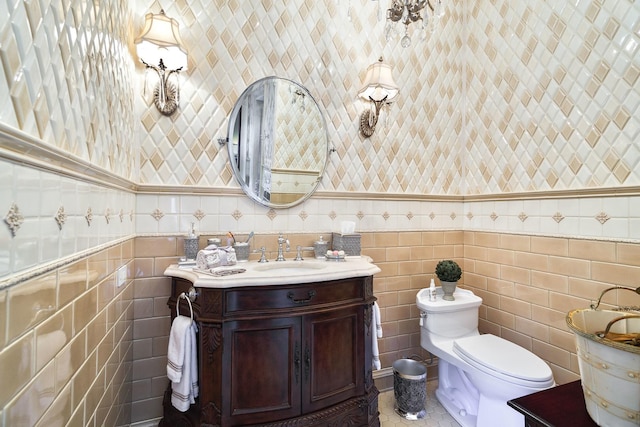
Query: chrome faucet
[300,249]
[263,255]
[281,247]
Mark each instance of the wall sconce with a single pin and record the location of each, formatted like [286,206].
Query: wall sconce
[410,11]
[160,43]
[380,89]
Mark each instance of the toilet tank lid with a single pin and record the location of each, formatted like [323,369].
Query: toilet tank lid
[464,298]
[489,352]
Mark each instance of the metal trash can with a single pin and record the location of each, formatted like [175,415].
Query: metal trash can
[410,388]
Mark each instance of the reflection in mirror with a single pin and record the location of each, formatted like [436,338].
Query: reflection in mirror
[278,143]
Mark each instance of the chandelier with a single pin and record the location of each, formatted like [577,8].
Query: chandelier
[424,13]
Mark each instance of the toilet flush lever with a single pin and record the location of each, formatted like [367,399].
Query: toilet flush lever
[423,316]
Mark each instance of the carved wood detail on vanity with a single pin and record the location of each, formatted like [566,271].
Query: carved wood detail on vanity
[212,303]
[210,340]
[367,320]
[368,287]
[273,356]
[211,415]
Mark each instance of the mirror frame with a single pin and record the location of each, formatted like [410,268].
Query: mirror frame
[233,135]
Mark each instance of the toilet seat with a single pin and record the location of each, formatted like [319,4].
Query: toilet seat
[503,359]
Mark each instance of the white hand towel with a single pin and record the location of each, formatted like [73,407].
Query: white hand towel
[176,350]
[376,308]
[375,322]
[193,369]
[184,392]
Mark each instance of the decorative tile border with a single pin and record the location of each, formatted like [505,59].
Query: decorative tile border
[602,217]
[575,217]
[60,217]
[89,216]
[199,214]
[13,219]
[30,217]
[157,214]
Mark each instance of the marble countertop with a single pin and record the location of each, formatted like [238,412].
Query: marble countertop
[275,273]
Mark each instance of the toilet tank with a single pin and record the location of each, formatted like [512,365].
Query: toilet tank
[450,319]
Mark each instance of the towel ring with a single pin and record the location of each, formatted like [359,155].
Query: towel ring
[187,297]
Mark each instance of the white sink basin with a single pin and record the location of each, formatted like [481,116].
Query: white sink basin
[291,267]
[278,272]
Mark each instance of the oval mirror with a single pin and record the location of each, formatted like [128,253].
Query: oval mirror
[278,142]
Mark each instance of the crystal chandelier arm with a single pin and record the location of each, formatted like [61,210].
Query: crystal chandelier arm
[395,12]
[407,12]
[412,17]
[430,5]
[416,7]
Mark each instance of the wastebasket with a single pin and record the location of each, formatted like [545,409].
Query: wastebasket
[410,388]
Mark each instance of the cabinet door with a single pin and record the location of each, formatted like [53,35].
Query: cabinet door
[332,357]
[262,370]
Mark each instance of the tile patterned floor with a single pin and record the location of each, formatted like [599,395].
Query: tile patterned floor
[436,414]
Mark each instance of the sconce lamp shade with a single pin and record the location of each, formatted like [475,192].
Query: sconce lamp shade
[160,41]
[160,48]
[379,89]
[378,83]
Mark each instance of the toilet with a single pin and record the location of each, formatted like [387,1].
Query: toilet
[477,374]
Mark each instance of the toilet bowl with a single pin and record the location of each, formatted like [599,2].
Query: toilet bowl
[477,374]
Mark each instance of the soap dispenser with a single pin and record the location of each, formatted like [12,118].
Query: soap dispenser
[432,291]
[320,248]
[191,244]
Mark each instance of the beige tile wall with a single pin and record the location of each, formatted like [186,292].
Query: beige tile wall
[530,117]
[550,94]
[528,284]
[100,349]
[407,260]
[66,344]
[152,324]
[68,76]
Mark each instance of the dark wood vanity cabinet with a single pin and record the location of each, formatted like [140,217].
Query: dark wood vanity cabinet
[289,355]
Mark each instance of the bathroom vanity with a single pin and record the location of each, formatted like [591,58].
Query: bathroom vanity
[281,344]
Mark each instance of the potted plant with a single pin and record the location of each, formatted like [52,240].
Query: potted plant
[448,272]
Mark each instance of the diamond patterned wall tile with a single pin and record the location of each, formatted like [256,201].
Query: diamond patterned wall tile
[69,73]
[505,96]
[315,44]
[576,73]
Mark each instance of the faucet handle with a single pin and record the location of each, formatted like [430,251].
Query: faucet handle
[300,249]
[263,256]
